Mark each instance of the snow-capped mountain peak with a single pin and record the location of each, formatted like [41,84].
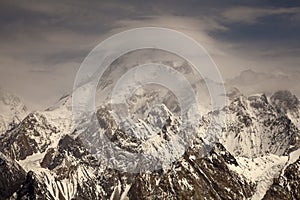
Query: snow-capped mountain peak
[256,138]
[12,110]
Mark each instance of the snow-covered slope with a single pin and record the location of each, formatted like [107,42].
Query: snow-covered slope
[287,103]
[12,111]
[262,133]
[257,144]
[287,185]
[254,127]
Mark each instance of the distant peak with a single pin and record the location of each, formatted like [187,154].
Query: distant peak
[284,100]
[233,93]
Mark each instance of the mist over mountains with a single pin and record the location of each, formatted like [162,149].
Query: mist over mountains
[153,126]
[254,156]
[250,81]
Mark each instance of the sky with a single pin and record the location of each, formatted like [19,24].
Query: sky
[44,42]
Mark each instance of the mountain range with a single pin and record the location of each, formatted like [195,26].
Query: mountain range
[255,157]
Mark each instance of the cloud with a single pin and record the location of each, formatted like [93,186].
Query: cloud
[251,15]
[251,82]
[43,43]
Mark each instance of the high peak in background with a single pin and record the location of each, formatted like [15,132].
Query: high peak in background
[12,110]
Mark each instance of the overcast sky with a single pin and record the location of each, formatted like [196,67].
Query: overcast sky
[44,42]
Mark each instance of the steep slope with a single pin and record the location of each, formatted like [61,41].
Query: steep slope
[71,172]
[254,127]
[286,186]
[255,146]
[193,177]
[287,103]
[32,135]
[32,188]
[63,168]
[12,176]
[12,111]
[38,131]
[67,171]
[260,135]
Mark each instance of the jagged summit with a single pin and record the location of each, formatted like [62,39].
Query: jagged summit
[256,144]
[254,127]
[285,101]
[12,110]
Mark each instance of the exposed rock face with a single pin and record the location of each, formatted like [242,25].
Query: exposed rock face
[12,176]
[285,100]
[254,127]
[286,186]
[31,136]
[190,177]
[41,160]
[193,177]
[32,188]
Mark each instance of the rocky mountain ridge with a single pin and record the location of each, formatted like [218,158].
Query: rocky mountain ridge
[44,161]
